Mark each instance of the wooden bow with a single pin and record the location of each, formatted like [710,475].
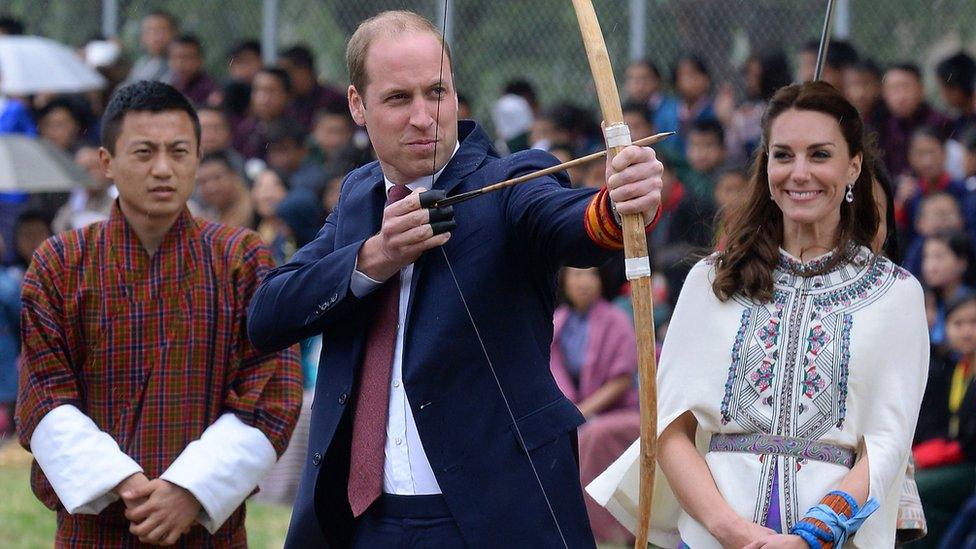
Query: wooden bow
[637,263]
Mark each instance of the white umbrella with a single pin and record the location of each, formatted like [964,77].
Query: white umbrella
[33,64]
[32,165]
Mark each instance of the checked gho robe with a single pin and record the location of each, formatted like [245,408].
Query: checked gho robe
[134,362]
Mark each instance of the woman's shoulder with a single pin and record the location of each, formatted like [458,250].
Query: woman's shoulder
[903,283]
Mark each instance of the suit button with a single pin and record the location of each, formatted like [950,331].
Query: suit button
[342,398]
[316,459]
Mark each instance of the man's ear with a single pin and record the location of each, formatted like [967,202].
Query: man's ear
[105,161]
[356,106]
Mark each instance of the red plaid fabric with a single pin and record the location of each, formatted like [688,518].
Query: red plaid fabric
[154,350]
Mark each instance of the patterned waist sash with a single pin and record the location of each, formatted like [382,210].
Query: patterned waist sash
[801,448]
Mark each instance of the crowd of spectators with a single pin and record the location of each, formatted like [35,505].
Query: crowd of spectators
[277,140]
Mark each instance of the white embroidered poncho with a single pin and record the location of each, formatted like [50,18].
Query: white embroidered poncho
[839,357]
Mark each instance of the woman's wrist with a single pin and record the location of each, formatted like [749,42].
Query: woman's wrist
[722,524]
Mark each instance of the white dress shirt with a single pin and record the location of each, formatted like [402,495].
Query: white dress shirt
[406,470]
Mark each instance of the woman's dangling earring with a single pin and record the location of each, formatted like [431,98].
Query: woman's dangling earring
[850,193]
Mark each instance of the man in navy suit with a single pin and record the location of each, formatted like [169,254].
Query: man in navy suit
[428,319]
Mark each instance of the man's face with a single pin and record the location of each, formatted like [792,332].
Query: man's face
[268,96]
[806,63]
[705,151]
[184,60]
[902,92]
[862,89]
[640,83]
[214,133]
[218,185]
[286,155]
[154,165]
[926,157]
[302,79]
[244,66]
[332,132]
[156,34]
[399,106]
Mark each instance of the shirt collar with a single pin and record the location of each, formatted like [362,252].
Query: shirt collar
[425,179]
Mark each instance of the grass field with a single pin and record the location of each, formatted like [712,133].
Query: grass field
[26,524]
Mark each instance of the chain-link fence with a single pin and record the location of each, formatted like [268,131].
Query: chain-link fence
[538,40]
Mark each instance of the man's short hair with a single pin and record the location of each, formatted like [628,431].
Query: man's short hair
[910,68]
[868,66]
[299,55]
[219,156]
[11,26]
[280,74]
[709,127]
[284,130]
[637,108]
[188,39]
[333,111]
[169,17]
[387,23]
[647,64]
[252,46]
[958,71]
[143,96]
[224,115]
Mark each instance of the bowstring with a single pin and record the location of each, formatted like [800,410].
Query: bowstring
[464,302]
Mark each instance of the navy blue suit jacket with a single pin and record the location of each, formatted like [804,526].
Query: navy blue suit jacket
[506,251]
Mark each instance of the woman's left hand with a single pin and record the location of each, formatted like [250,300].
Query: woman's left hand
[779,541]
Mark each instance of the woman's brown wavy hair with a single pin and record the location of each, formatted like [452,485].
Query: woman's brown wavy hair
[754,225]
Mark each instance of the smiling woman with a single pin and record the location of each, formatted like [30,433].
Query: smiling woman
[792,374]
[808,162]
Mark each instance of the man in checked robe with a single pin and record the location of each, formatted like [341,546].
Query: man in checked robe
[149,414]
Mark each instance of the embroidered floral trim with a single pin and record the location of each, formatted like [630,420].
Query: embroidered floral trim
[844,362]
[846,295]
[740,338]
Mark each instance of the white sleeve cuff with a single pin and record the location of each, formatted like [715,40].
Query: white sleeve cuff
[82,462]
[222,468]
[362,284]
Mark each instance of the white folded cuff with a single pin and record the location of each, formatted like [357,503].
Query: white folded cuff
[222,468]
[82,463]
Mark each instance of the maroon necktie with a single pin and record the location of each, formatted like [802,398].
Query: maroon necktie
[373,394]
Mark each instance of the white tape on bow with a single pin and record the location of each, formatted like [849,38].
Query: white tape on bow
[618,135]
[637,267]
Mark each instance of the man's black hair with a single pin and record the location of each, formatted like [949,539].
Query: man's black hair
[286,129]
[144,96]
[281,75]
[219,156]
[649,65]
[713,127]
[188,39]
[958,71]
[639,108]
[867,65]
[252,46]
[11,26]
[841,54]
[299,55]
[696,61]
[910,68]
[522,88]
[165,15]
[78,109]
